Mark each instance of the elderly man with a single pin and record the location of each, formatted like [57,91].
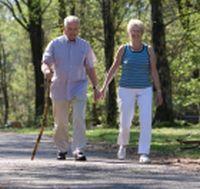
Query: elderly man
[67,61]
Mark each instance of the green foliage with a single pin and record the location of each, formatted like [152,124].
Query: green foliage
[20,73]
[185,71]
[182,36]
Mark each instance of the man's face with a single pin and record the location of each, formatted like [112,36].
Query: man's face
[72,30]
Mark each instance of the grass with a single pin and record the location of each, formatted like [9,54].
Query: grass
[164,140]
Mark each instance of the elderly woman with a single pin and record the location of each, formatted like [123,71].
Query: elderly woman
[138,63]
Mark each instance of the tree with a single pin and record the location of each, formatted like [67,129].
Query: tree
[33,25]
[61,13]
[62,10]
[185,66]
[3,81]
[165,111]
[109,45]
[113,13]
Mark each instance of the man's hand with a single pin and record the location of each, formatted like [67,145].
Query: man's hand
[48,74]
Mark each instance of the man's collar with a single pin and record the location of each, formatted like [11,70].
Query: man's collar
[75,40]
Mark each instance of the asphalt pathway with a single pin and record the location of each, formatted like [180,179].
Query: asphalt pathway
[102,170]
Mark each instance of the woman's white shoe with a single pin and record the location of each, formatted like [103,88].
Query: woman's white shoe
[144,158]
[121,153]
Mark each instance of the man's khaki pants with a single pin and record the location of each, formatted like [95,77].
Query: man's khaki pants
[61,110]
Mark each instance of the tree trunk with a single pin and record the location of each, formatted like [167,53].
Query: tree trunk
[6,102]
[109,44]
[3,82]
[164,112]
[83,27]
[36,38]
[61,13]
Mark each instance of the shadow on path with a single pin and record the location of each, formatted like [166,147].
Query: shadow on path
[102,170]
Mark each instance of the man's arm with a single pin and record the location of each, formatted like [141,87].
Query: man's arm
[92,75]
[48,60]
[93,78]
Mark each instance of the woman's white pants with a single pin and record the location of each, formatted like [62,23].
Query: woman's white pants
[126,100]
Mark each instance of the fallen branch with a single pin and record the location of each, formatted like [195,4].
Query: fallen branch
[188,141]
[193,144]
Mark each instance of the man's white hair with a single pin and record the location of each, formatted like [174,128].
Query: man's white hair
[135,22]
[70,19]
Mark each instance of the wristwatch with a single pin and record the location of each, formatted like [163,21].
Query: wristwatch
[159,91]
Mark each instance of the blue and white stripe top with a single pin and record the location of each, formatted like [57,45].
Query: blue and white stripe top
[135,68]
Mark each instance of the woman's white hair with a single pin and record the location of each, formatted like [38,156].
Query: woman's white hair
[70,19]
[135,22]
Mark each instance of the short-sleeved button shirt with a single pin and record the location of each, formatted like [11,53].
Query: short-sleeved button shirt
[67,60]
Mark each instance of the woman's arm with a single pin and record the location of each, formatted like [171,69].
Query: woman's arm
[113,69]
[155,76]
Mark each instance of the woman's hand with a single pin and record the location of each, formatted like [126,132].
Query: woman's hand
[159,99]
[102,93]
[97,94]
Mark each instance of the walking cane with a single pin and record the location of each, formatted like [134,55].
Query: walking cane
[44,118]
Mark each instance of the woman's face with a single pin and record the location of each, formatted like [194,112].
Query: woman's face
[135,33]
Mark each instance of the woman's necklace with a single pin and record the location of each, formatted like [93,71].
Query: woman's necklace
[138,48]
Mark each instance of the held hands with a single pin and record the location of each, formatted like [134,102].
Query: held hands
[99,94]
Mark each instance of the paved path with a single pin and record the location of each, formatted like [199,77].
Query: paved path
[102,170]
